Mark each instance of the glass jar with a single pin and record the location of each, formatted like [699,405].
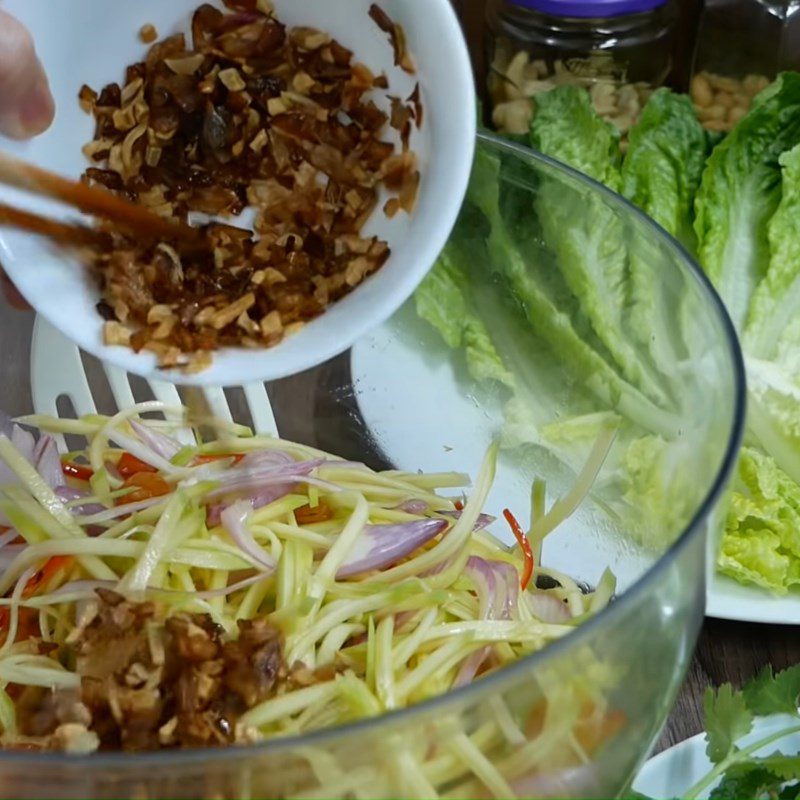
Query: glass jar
[741,47]
[620,50]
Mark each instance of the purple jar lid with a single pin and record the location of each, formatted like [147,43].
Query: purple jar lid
[594,9]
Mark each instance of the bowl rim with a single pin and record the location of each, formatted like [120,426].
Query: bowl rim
[495,681]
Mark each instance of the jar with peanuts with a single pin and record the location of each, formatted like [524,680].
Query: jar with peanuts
[741,46]
[620,50]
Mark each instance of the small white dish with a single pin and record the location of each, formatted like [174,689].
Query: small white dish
[671,773]
[92,41]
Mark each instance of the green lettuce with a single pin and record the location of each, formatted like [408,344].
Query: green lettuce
[586,235]
[442,301]
[539,293]
[762,542]
[772,337]
[667,151]
[661,173]
[652,490]
[740,192]
[567,128]
[773,419]
[776,302]
[761,545]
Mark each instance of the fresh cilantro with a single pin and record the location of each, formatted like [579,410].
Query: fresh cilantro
[727,719]
[773,694]
[749,784]
[785,767]
[791,792]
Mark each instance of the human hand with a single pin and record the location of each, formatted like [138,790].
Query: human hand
[26,105]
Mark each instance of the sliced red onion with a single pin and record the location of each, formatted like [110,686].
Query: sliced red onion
[113,472]
[382,546]
[507,600]
[259,500]
[234,520]
[48,462]
[469,669]
[7,538]
[9,553]
[246,478]
[161,444]
[440,567]
[214,514]
[483,521]
[70,495]
[42,455]
[497,585]
[547,608]
[109,514]
[484,578]
[24,442]
[261,458]
[413,507]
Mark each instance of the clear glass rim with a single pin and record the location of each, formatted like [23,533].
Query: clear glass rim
[497,681]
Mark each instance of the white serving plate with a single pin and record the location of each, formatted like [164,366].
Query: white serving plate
[728,599]
[403,369]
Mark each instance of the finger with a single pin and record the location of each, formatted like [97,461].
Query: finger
[12,295]
[26,105]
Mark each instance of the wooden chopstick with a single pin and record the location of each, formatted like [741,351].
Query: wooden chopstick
[58,231]
[91,200]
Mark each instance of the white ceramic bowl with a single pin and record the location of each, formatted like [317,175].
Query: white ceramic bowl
[92,41]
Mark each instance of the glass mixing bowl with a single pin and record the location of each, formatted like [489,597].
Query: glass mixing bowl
[577,718]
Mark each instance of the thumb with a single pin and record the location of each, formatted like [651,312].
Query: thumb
[26,105]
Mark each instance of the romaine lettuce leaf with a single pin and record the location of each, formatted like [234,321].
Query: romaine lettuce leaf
[762,540]
[659,495]
[773,419]
[567,128]
[740,192]
[548,314]
[661,174]
[776,302]
[442,301]
[667,152]
[772,337]
[585,234]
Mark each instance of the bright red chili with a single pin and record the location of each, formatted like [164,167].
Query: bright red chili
[211,459]
[146,485]
[305,515]
[27,618]
[525,545]
[129,465]
[79,471]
